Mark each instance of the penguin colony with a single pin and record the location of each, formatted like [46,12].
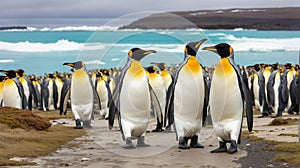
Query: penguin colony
[181,96]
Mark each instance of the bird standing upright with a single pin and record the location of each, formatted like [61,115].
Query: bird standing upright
[226,100]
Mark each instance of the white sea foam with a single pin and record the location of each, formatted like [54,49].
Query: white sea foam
[26,46]
[95,62]
[6,61]
[115,59]
[262,44]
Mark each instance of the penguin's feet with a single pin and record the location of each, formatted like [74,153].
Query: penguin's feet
[141,142]
[78,124]
[221,149]
[183,143]
[233,147]
[128,144]
[157,130]
[87,124]
[194,142]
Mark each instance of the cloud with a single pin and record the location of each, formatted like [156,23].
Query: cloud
[42,12]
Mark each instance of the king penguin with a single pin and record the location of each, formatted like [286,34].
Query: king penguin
[132,99]
[13,93]
[82,95]
[27,87]
[187,98]
[157,83]
[226,100]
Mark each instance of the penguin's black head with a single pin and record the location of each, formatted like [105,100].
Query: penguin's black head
[2,78]
[20,72]
[223,49]
[161,66]
[138,54]
[10,74]
[151,69]
[76,65]
[193,47]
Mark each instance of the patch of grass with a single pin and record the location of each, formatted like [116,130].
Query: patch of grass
[16,118]
[289,152]
[27,134]
[52,115]
[32,143]
[283,121]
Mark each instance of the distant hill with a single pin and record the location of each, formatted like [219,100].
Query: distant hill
[256,18]
[13,28]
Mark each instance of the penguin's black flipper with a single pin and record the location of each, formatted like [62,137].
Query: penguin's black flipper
[246,95]
[31,96]
[270,88]
[21,93]
[156,109]
[283,94]
[205,105]
[97,95]
[55,95]
[65,93]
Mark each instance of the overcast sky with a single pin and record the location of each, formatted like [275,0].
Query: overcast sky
[53,13]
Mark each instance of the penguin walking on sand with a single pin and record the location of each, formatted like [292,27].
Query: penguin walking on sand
[13,93]
[187,98]
[82,95]
[133,100]
[226,100]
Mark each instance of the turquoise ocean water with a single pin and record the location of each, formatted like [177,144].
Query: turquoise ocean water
[44,51]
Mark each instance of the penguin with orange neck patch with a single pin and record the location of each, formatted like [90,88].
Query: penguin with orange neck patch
[187,98]
[228,93]
[13,92]
[133,100]
[82,95]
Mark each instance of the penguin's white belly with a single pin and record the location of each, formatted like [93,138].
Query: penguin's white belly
[103,96]
[82,96]
[276,94]
[256,93]
[158,87]
[188,103]
[11,96]
[135,104]
[226,104]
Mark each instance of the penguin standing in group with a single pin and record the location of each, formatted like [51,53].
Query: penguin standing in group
[132,100]
[102,91]
[156,81]
[167,77]
[47,91]
[187,98]
[13,93]
[82,95]
[226,100]
[27,87]
[2,80]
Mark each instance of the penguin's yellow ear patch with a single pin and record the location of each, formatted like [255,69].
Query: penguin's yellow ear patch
[130,53]
[230,50]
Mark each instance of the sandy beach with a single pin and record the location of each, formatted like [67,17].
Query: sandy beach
[103,148]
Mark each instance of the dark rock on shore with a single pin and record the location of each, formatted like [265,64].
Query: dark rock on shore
[13,27]
[256,18]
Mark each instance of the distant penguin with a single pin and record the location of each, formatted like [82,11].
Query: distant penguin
[157,83]
[102,94]
[82,95]
[47,89]
[226,101]
[2,80]
[132,99]
[59,84]
[13,93]
[277,92]
[294,95]
[27,87]
[187,98]
[167,77]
